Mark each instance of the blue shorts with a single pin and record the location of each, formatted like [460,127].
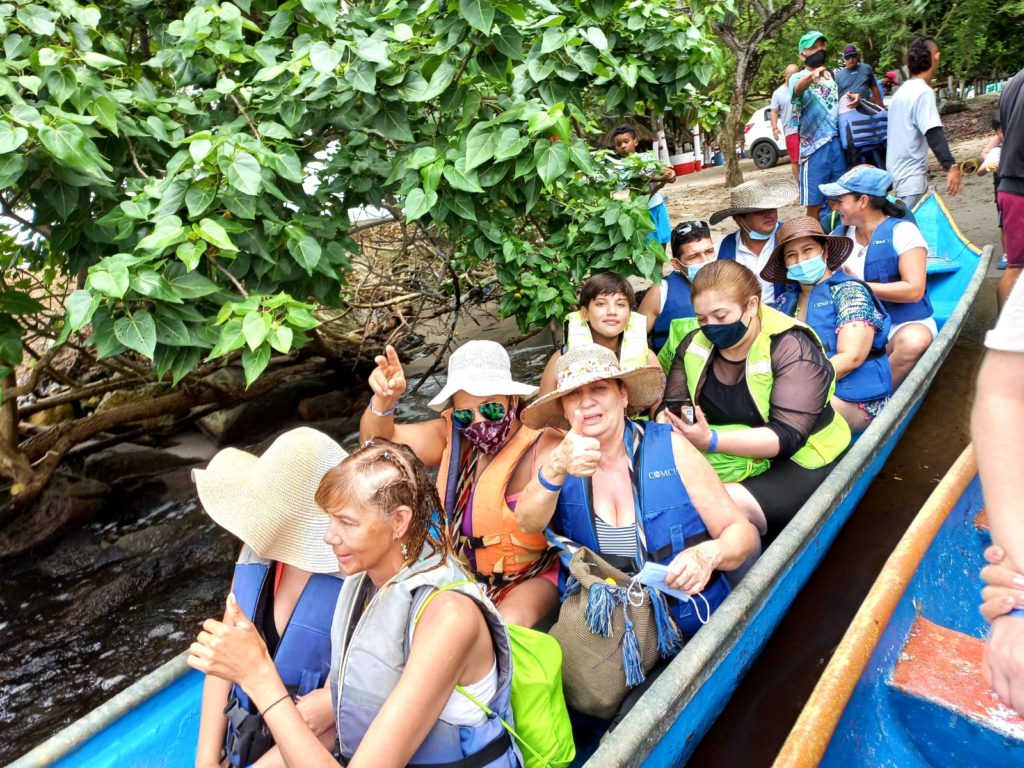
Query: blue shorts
[662,227]
[824,166]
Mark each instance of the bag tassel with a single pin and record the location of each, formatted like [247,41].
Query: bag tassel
[631,656]
[670,639]
[600,605]
[572,586]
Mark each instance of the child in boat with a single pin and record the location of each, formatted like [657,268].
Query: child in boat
[605,317]
[624,139]
[891,255]
[848,318]
[285,582]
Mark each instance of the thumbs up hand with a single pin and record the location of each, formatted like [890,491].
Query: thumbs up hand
[231,649]
[578,454]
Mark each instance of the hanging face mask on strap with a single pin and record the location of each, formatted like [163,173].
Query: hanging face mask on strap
[753,234]
[489,436]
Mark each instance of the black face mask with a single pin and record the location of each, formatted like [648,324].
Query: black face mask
[816,59]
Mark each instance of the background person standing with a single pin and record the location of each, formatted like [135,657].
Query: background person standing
[857,77]
[915,125]
[782,118]
[1010,193]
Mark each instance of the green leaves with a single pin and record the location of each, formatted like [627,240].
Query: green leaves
[552,159]
[11,137]
[137,331]
[214,234]
[306,251]
[479,13]
[324,11]
[37,19]
[67,143]
[418,203]
[243,172]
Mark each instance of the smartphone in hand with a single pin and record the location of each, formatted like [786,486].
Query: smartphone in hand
[681,408]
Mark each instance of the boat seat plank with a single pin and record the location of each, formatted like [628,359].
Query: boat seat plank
[939,266]
[943,666]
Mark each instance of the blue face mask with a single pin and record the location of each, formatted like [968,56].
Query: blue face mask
[693,269]
[754,234]
[807,272]
[725,335]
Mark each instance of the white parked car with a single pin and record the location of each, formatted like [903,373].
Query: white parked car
[758,142]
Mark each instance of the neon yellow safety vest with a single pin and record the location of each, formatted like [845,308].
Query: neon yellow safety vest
[632,353]
[823,446]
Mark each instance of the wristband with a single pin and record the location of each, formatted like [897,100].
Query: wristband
[1017,613]
[388,412]
[264,712]
[714,442]
[547,483]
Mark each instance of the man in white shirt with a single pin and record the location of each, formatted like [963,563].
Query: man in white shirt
[754,206]
[915,125]
[782,119]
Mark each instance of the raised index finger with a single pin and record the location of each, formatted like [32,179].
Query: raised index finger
[392,356]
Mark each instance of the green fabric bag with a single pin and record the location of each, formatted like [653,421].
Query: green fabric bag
[538,704]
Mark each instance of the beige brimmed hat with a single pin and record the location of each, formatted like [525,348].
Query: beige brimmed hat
[268,502]
[480,368]
[586,364]
[757,195]
[837,249]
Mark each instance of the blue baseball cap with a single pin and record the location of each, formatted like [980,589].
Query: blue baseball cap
[862,180]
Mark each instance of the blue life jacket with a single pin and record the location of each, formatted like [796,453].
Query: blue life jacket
[882,265]
[727,250]
[872,379]
[677,304]
[302,658]
[670,521]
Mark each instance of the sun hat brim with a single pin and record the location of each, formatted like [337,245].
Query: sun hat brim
[480,387]
[268,502]
[777,194]
[837,250]
[644,385]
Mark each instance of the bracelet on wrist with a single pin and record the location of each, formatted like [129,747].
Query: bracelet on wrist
[548,485]
[713,445]
[274,704]
[388,412]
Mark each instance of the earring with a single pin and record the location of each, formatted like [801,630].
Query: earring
[405,550]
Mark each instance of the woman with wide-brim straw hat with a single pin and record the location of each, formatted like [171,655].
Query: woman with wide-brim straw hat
[847,316]
[754,206]
[485,458]
[631,491]
[285,581]
[421,668]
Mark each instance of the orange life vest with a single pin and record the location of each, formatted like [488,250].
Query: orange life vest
[499,548]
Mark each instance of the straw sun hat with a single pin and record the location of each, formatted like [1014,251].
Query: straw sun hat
[757,195]
[837,249]
[587,364]
[268,503]
[480,368]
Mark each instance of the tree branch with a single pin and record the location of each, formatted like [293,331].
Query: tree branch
[9,212]
[135,158]
[228,275]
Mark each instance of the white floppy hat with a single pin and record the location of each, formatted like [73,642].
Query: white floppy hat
[268,501]
[480,368]
[757,195]
[586,364]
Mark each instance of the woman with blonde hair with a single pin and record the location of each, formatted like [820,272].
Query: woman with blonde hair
[760,387]
[409,627]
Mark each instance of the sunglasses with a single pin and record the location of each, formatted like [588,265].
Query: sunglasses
[686,227]
[493,411]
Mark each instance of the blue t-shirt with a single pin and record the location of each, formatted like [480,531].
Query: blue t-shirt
[856,80]
[816,111]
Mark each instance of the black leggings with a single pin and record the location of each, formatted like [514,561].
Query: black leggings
[782,490]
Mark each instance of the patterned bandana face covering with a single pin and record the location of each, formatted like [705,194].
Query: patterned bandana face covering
[489,436]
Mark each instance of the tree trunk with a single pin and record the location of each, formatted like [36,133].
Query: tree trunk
[746,68]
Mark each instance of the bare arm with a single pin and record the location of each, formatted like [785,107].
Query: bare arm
[876,94]
[775,122]
[995,421]
[387,381]
[853,345]
[549,379]
[914,274]
[804,82]
[557,458]
[650,308]
[212,724]
[757,442]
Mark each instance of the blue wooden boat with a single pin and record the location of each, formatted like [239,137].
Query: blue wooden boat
[154,722]
[905,688]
